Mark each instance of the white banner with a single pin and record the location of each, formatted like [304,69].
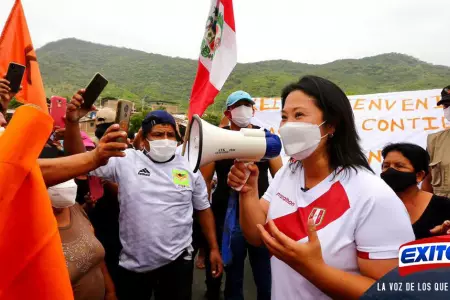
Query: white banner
[380,119]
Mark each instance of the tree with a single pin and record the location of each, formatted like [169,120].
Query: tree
[136,120]
[213,118]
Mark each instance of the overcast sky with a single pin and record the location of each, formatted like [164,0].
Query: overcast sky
[307,31]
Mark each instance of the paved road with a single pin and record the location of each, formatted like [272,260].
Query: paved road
[198,287]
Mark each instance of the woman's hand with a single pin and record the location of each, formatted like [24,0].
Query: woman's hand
[300,256]
[441,229]
[238,177]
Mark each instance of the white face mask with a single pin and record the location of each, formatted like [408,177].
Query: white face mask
[242,115]
[300,139]
[63,195]
[162,150]
[447,113]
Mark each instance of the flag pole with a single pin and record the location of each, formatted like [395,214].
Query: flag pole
[186,134]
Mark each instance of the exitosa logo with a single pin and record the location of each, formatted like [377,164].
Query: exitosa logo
[425,254]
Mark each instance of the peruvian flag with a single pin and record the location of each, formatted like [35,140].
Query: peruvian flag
[218,56]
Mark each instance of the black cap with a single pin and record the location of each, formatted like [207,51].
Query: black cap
[445,95]
[159,117]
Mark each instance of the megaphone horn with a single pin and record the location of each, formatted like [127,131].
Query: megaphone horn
[208,143]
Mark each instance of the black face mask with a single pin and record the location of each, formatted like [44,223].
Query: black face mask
[82,190]
[101,129]
[399,181]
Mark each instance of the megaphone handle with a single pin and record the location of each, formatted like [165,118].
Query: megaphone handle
[247,175]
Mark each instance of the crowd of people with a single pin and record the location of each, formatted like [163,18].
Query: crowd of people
[133,216]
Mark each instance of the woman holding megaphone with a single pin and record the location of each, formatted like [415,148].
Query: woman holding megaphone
[332,226]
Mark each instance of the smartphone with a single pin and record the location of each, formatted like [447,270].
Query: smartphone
[93,90]
[58,106]
[15,76]
[95,188]
[123,116]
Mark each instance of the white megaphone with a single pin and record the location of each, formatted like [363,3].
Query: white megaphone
[208,143]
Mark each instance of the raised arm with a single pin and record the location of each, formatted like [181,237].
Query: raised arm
[58,170]
[73,143]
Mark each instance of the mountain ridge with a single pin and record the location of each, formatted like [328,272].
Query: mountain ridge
[69,64]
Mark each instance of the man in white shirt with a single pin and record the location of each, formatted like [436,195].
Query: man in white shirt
[157,193]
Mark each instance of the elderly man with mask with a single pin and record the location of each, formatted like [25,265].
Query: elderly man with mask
[157,193]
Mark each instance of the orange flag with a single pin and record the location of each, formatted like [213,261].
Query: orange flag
[16,46]
[31,254]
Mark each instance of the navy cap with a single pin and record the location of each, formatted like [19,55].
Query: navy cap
[445,95]
[159,117]
[238,96]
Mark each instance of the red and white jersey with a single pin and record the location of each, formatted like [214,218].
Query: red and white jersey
[356,214]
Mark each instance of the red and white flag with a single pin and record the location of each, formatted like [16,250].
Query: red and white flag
[218,56]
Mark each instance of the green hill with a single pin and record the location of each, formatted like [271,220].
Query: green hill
[69,64]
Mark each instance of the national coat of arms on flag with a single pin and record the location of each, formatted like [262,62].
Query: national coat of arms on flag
[218,56]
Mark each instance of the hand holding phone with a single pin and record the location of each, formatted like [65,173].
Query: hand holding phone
[14,76]
[93,90]
[123,116]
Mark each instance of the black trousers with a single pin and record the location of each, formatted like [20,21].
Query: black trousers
[170,282]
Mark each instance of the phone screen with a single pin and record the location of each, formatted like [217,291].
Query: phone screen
[15,76]
[94,89]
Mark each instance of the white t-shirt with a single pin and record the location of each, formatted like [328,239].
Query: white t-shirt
[356,215]
[156,206]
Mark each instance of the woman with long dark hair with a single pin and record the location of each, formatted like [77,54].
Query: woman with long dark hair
[334,227]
